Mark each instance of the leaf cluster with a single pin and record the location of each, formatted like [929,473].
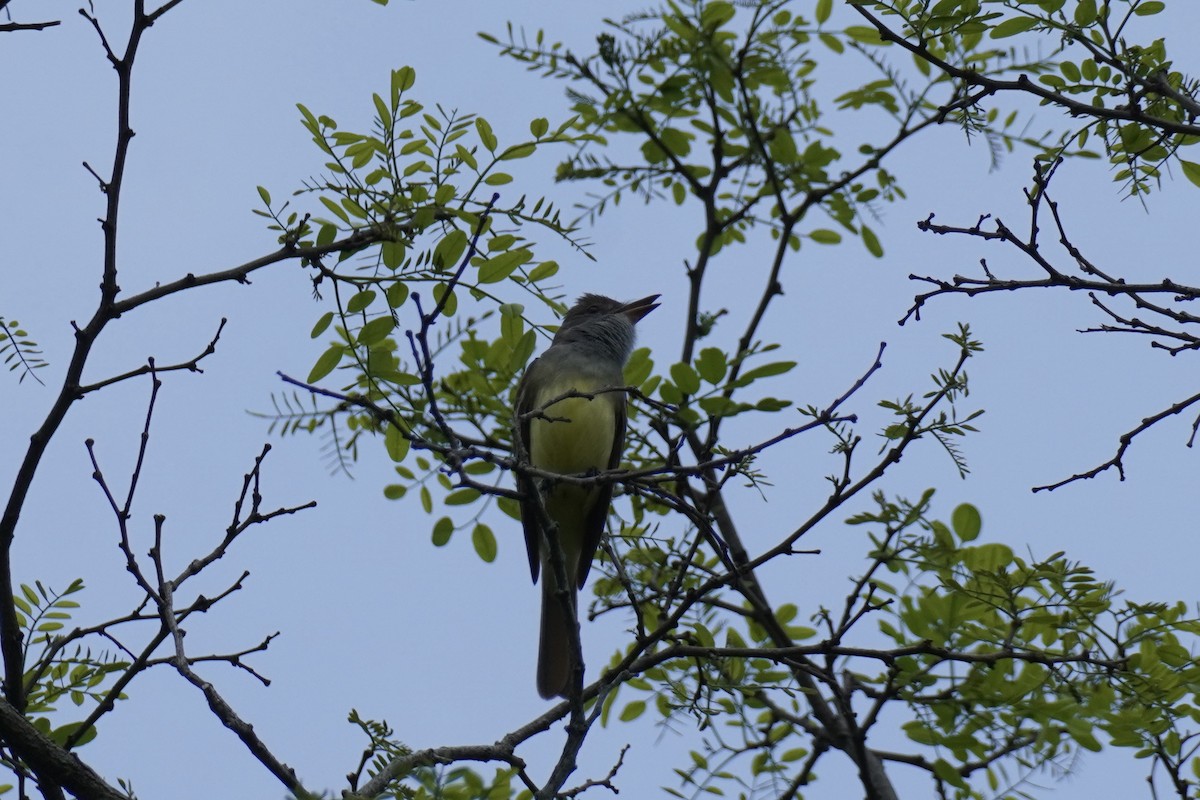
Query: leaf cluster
[1128,96]
[55,672]
[19,352]
[1000,665]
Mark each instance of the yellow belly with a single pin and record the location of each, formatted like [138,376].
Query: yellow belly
[577,437]
[574,436]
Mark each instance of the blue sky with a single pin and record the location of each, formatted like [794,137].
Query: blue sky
[372,616]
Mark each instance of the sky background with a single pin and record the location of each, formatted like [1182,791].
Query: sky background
[373,617]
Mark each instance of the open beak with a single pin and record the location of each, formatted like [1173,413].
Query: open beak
[639,308]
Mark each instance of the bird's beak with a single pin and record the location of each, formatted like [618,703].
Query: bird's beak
[639,308]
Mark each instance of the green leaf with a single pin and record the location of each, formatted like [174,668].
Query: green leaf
[685,378]
[403,79]
[639,367]
[444,194]
[987,557]
[765,371]
[633,710]
[336,209]
[946,771]
[395,442]
[439,291]
[464,155]
[64,732]
[501,266]
[462,497]
[1085,13]
[543,270]
[447,252]
[863,34]
[871,241]
[967,522]
[415,146]
[1012,27]
[824,9]
[322,324]
[352,206]
[441,531]
[772,404]
[360,301]
[502,242]
[1147,9]
[606,708]
[392,254]
[265,195]
[484,541]
[795,754]
[835,44]
[376,330]
[397,293]
[711,364]
[326,234]
[733,638]
[312,125]
[677,141]
[782,148]
[1191,171]
[538,127]
[715,14]
[509,507]
[1086,739]
[485,134]
[800,632]
[825,236]
[519,151]
[381,110]
[326,363]
[720,406]
[653,153]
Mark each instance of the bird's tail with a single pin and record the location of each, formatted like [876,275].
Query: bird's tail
[554,648]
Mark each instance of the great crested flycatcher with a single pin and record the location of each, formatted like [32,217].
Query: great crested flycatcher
[572,436]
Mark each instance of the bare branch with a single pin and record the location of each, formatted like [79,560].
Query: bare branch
[6,27]
[192,365]
[1125,441]
[223,711]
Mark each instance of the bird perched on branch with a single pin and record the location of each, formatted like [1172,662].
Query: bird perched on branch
[570,420]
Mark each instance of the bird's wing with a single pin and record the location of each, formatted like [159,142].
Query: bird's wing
[529,509]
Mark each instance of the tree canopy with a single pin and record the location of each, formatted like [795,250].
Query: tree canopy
[947,661]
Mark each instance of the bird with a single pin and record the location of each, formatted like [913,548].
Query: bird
[579,434]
